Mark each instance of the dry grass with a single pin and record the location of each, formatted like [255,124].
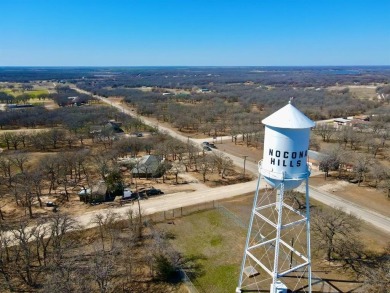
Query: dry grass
[364,92]
[363,195]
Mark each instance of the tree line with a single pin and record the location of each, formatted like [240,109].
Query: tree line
[363,150]
[336,238]
[122,254]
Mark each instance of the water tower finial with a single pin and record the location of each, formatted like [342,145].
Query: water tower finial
[291,99]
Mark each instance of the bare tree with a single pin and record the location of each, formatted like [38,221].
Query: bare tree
[377,276]
[102,271]
[20,159]
[50,166]
[106,225]
[6,165]
[296,198]
[331,227]
[385,185]
[5,138]
[330,161]
[206,163]
[14,140]
[362,165]
[5,259]
[176,169]
[378,173]
[24,192]
[223,163]
[55,136]
[60,224]
[326,131]
[24,254]
[34,181]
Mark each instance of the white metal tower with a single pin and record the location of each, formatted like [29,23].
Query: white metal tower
[277,250]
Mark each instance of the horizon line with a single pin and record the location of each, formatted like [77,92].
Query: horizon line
[209,66]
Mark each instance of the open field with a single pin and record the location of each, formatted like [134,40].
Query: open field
[218,242]
[47,103]
[32,93]
[365,92]
[28,130]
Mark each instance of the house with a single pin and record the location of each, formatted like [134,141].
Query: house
[111,127]
[340,122]
[147,166]
[98,193]
[76,101]
[115,126]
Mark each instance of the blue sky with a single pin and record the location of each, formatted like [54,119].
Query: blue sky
[194,32]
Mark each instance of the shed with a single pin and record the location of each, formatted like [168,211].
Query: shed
[98,193]
[341,121]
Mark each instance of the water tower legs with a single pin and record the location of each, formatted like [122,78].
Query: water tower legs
[277,251]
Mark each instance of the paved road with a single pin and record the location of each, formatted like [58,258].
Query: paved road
[180,200]
[175,200]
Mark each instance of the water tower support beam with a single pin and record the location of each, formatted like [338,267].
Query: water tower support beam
[248,235]
[308,233]
[279,205]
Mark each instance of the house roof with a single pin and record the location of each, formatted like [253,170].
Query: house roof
[288,117]
[99,189]
[341,120]
[147,164]
[115,127]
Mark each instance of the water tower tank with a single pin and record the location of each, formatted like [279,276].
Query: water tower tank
[286,142]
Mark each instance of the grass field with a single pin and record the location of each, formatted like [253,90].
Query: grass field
[218,243]
[364,92]
[33,93]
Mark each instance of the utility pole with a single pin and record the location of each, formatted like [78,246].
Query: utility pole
[244,163]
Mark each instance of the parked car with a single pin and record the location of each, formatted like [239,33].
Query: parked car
[153,191]
[205,143]
[212,145]
[50,204]
[207,149]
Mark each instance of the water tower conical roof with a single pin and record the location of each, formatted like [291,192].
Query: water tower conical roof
[288,117]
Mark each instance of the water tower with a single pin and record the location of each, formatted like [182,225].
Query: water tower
[277,249]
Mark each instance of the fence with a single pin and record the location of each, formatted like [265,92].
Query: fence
[230,215]
[186,280]
[172,214]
